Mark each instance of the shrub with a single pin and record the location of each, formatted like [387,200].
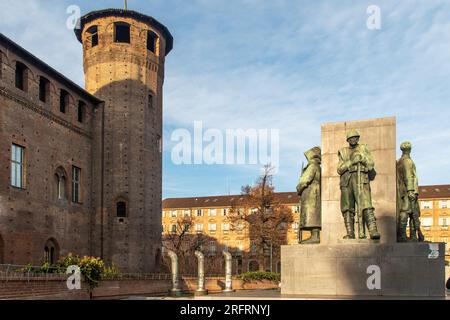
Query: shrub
[259,275]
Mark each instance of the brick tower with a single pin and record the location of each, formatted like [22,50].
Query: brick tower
[124,54]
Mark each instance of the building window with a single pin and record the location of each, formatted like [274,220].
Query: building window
[212,212]
[152,40]
[17,166]
[21,76]
[93,34]
[60,177]
[173,213]
[150,101]
[199,213]
[212,247]
[121,209]
[173,228]
[427,222]
[427,204]
[51,251]
[225,227]
[212,227]
[443,222]
[199,227]
[187,213]
[81,111]
[159,143]
[76,178]
[63,100]
[224,212]
[443,204]
[121,32]
[44,89]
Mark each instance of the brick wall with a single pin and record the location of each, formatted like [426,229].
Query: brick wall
[55,288]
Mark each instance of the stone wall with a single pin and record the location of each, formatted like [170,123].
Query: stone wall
[380,136]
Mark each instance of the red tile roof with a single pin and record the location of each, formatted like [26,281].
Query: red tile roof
[220,201]
[435,192]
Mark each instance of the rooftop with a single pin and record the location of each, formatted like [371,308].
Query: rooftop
[33,60]
[126,14]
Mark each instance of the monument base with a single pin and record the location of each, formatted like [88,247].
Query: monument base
[203,292]
[400,269]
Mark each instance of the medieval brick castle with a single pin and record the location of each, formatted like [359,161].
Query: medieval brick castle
[81,168]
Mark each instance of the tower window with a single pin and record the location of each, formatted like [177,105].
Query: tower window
[122,32]
[63,100]
[76,178]
[17,166]
[21,76]
[121,209]
[44,89]
[150,101]
[92,33]
[152,39]
[81,111]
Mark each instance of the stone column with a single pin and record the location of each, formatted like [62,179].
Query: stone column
[228,281]
[201,291]
[175,291]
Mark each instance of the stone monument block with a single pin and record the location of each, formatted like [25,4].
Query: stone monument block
[380,137]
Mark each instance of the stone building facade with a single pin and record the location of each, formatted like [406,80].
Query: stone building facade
[81,168]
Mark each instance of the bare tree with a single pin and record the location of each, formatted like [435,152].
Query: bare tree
[263,215]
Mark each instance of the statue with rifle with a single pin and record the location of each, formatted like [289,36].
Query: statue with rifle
[356,169]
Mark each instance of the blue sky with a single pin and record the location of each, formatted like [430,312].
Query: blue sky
[281,64]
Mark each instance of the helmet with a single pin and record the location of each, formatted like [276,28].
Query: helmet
[352,133]
[405,146]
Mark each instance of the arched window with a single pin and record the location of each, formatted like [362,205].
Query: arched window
[51,251]
[121,209]
[60,183]
[122,32]
[152,41]
[63,101]
[81,111]
[92,33]
[21,76]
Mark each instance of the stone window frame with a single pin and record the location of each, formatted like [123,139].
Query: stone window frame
[22,164]
[81,111]
[64,100]
[61,174]
[121,199]
[155,44]
[51,251]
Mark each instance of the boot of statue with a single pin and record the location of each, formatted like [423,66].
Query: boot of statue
[361,231]
[349,221]
[314,239]
[369,216]
[403,223]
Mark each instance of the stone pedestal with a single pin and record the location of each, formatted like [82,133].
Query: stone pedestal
[405,269]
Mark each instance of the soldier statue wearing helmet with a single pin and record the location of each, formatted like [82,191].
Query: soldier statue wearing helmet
[356,170]
[309,191]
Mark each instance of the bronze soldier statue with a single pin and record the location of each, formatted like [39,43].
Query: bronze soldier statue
[309,191]
[356,168]
[407,196]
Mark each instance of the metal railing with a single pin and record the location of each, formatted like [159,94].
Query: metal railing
[27,272]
